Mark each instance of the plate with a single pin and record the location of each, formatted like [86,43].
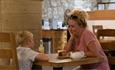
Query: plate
[60,61]
[63,57]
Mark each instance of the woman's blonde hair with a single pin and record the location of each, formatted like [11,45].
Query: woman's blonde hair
[22,37]
[80,13]
[80,16]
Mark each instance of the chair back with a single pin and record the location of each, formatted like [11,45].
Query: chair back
[110,33]
[8,52]
[96,27]
[108,44]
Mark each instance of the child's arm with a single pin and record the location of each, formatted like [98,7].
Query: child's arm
[41,56]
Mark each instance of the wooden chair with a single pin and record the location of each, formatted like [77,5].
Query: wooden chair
[8,52]
[108,44]
[96,27]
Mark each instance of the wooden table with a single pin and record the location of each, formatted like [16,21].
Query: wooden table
[83,61]
[108,44]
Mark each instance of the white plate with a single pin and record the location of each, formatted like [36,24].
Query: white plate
[60,61]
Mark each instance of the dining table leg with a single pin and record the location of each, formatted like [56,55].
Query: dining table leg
[47,68]
[59,68]
[51,68]
[67,68]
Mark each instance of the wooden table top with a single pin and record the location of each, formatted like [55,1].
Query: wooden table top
[83,61]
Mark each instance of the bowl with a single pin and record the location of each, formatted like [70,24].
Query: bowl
[77,55]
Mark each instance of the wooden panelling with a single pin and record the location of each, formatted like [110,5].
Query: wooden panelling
[21,6]
[102,15]
[21,15]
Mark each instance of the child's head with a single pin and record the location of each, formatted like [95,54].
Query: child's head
[25,39]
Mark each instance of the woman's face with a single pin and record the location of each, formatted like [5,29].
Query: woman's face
[73,27]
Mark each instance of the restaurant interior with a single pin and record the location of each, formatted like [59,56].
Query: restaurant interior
[45,19]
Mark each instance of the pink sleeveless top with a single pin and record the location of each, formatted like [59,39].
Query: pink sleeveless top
[86,38]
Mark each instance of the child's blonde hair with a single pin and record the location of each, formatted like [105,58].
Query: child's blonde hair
[22,37]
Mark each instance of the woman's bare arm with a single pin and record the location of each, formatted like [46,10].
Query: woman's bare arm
[67,48]
[92,50]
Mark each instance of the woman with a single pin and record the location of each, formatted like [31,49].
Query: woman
[26,55]
[84,40]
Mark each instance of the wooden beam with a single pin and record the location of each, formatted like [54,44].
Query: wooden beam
[102,15]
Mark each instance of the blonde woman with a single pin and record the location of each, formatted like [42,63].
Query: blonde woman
[84,40]
[26,55]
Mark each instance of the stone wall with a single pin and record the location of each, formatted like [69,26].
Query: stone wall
[54,9]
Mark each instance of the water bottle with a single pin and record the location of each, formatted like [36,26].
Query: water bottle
[41,47]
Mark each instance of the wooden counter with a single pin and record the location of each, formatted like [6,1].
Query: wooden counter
[58,38]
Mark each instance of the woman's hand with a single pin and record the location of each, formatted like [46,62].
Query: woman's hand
[63,53]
